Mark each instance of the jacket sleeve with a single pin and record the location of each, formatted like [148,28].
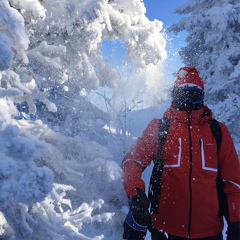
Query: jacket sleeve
[229,171]
[139,157]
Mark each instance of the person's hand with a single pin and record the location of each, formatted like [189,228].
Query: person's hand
[133,234]
[158,235]
[233,232]
[138,219]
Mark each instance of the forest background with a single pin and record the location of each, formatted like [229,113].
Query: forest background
[72,104]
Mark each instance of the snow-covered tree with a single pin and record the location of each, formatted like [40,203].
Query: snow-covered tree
[51,59]
[64,59]
[213,43]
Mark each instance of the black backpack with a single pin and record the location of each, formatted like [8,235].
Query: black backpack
[156,177]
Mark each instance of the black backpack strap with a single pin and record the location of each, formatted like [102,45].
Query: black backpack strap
[223,202]
[216,131]
[222,196]
[156,177]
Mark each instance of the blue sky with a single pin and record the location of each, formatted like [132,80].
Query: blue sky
[163,10]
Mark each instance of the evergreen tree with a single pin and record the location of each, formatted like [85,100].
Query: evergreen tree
[51,59]
[213,42]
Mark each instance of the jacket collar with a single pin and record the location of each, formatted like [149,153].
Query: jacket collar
[197,116]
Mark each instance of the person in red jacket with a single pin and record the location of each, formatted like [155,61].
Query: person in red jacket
[187,204]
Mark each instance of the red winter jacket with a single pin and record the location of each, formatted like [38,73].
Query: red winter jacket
[189,204]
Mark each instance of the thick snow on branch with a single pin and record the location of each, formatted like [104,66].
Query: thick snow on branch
[12,26]
[21,179]
[32,6]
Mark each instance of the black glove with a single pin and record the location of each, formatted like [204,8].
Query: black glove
[233,232]
[138,219]
[158,235]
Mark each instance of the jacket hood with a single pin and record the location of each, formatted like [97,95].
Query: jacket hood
[199,116]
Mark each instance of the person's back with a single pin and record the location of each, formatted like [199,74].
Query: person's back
[187,201]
